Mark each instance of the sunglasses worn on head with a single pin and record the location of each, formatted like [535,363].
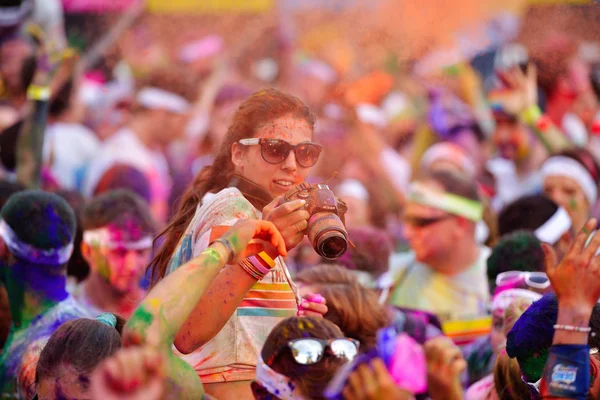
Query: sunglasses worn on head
[308,351]
[534,280]
[275,151]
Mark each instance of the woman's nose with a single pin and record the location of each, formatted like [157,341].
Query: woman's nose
[289,163]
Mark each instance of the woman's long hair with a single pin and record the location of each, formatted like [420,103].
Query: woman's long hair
[263,106]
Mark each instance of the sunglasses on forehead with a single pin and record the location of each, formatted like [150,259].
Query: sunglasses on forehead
[308,351]
[275,151]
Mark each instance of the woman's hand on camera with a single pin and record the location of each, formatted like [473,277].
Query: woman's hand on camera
[290,218]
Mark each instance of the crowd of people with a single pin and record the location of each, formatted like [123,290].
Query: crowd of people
[291,230]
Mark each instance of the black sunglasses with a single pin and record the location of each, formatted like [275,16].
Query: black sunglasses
[423,222]
[275,151]
[308,351]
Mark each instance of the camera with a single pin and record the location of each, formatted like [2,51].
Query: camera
[326,230]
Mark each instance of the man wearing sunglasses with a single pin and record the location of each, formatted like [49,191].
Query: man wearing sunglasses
[446,271]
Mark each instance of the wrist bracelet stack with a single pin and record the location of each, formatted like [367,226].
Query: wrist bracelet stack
[258,266]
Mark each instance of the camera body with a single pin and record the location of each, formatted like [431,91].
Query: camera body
[326,228]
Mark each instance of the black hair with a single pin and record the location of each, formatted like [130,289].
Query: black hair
[518,251]
[7,189]
[123,176]
[120,208]
[40,219]
[62,100]
[77,266]
[527,213]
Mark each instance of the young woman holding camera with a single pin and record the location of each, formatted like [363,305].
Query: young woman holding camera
[267,151]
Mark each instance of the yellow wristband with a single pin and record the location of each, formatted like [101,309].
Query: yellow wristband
[40,93]
[531,115]
[266,258]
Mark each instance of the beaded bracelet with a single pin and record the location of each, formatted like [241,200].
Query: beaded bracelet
[571,328]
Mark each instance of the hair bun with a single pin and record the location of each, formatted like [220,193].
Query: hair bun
[107,318]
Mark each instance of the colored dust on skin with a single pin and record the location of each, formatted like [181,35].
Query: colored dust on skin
[141,320]
[572,204]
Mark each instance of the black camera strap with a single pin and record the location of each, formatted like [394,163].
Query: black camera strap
[256,195]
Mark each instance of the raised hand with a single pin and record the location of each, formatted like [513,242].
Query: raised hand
[373,382]
[131,374]
[244,235]
[445,364]
[520,90]
[576,278]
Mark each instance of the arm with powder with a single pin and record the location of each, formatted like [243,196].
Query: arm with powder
[576,282]
[228,289]
[169,304]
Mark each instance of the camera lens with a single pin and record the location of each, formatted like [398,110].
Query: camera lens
[333,247]
[327,235]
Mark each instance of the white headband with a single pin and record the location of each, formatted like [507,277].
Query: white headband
[503,299]
[451,203]
[353,188]
[32,254]
[450,152]
[103,237]
[275,383]
[555,227]
[158,99]
[569,168]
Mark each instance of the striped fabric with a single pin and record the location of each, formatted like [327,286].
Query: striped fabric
[466,331]
[232,354]
[269,300]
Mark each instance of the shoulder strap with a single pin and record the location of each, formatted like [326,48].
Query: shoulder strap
[256,195]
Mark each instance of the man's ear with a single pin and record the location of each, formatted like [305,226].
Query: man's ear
[86,253]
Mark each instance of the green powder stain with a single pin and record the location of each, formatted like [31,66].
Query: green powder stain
[103,267]
[533,366]
[141,319]
[572,204]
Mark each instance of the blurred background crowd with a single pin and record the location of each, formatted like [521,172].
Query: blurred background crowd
[493,104]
